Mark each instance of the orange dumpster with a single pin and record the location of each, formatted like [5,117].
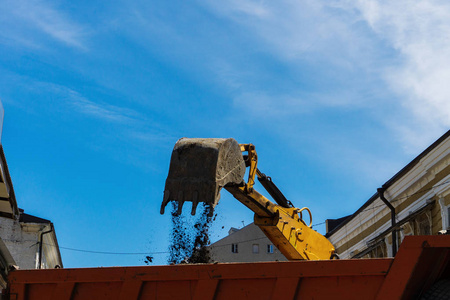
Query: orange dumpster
[420,263]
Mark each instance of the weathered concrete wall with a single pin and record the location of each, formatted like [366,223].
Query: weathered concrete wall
[23,243]
[22,240]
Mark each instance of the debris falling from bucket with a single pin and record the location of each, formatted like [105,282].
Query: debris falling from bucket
[190,236]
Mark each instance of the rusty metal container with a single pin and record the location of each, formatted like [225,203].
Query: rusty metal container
[420,262]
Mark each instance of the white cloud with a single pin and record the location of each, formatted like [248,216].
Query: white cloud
[59,99]
[248,8]
[420,32]
[301,36]
[260,104]
[25,18]
[399,47]
[284,105]
[100,111]
[299,30]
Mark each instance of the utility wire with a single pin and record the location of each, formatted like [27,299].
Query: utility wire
[105,252]
[318,224]
[109,253]
[409,196]
[398,199]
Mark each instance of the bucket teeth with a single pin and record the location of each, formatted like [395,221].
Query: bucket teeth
[180,206]
[194,202]
[165,201]
[199,168]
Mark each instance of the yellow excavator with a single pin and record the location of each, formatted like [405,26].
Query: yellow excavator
[200,168]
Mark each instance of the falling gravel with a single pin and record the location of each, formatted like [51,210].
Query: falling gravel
[190,236]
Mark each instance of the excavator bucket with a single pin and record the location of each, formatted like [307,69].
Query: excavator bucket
[199,168]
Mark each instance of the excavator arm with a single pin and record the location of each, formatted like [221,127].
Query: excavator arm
[200,168]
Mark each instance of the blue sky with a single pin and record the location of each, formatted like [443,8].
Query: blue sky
[337,96]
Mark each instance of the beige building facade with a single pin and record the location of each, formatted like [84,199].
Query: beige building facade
[248,244]
[416,202]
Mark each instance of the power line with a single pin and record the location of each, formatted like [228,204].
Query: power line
[409,196]
[93,251]
[110,253]
[318,224]
[398,199]
[107,252]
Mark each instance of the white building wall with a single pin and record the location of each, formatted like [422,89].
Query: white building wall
[22,243]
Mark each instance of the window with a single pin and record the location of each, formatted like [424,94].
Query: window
[424,224]
[379,251]
[255,248]
[406,229]
[234,248]
[269,248]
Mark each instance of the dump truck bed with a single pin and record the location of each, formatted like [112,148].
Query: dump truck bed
[420,262]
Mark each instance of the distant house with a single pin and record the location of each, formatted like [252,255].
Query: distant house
[248,244]
[415,201]
[31,241]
